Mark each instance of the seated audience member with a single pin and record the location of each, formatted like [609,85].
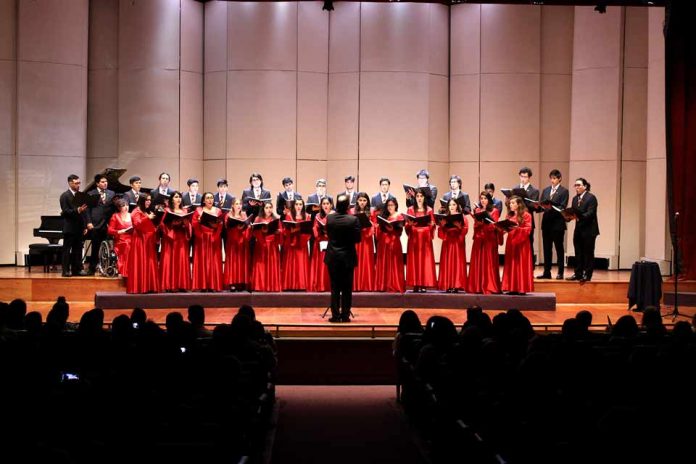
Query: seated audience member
[196,316]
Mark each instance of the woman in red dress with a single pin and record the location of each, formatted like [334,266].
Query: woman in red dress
[389,269]
[207,246]
[518,277]
[142,259]
[237,234]
[364,275]
[265,264]
[484,276]
[296,249]
[318,272]
[175,267]
[121,229]
[420,259]
[453,253]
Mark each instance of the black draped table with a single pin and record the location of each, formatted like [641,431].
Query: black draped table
[645,287]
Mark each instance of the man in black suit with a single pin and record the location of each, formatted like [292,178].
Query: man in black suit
[192,197]
[456,193]
[553,225]
[254,194]
[99,217]
[222,199]
[133,194]
[423,177]
[343,230]
[497,203]
[288,194]
[586,230]
[380,198]
[162,189]
[533,194]
[320,194]
[74,229]
[350,192]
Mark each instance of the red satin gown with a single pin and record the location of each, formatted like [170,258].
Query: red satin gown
[122,242]
[207,254]
[237,257]
[175,267]
[389,269]
[484,276]
[295,257]
[364,274]
[142,259]
[518,275]
[420,259]
[453,257]
[265,264]
[318,272]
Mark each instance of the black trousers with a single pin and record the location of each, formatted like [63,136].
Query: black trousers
[72,252]
[341,290]
[584,254]
[553,239]
[97,236]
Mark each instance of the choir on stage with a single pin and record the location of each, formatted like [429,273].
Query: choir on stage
[170,241]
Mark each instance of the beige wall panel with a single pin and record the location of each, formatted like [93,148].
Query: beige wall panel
[657,236]
[343,115]
[465,39]
[394,37]
[656,84]
[190,169]
[394,115]
[215,36]
[212,171]
[7,225]
[439,175]
[261,114]
[8,29]
[541,178]
[464,113]
[149,169]
[54,32]
[103,34]
[557,39]
[556,90]
[149,35]
[308,171]
[311,115]
[149,113]
[471,181]
[191,115]
[344,37]
[337,170]
[262,36]
[97,165]
[656,39]
[597,38]
[438,38]
[595,115]
[215,115]
[632,217]
[510,116]
[52,109]
[312,38]
[510,38]
[102,114]
[636,38]
[272,171]
[635,106]
[8,94]
[438,138]
[191,35]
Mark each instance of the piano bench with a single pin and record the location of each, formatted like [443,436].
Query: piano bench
[47,254]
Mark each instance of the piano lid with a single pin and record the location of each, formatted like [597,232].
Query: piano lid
[113,175]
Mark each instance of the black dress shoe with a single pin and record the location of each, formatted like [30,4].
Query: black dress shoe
[544,276]
[574,277]
[82,273]
[559,277]
[334,319]
[67,274]
[345,319]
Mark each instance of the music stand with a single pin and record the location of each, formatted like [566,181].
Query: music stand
[328,308]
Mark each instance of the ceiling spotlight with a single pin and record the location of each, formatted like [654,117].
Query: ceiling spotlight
[328,5]
[601,8]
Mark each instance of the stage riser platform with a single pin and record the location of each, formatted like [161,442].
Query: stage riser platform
[530,302]
[683,298]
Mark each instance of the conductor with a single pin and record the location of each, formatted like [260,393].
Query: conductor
[343,230]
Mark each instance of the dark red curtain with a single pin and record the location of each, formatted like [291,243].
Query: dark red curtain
[680,106]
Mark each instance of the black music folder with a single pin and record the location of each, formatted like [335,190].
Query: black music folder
[268,227]
[84,198]
[173,218]
[418,221]
[210,220]
[450,219]
[304,226]
[383,223]
[364,220]
[506,224]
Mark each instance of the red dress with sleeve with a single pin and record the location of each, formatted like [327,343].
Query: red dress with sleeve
[295,256]
[237,257]
[175,267]
[453,257]
[389,269]
[142,260]
[122,242]
[484,274]
[364,274]
[265,264]
[207,253]
[420,259]
[318,272]
[517,273]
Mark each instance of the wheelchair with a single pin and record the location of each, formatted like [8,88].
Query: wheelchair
[108,261]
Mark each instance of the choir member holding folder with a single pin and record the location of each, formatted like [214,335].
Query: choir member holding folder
[207,246]
[237,233]
[389,270]
[175,269]
[420,228]
[121,229]
[265,263]
[452,229]
[518,275]
[142,260]
[297,228]
[484,276]
[364,274]
[319,280]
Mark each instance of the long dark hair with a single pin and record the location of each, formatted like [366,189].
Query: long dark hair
[385,210]
[322,214]
[170,202]
[489,197]
[294,213]
[141,201]
[367,207]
